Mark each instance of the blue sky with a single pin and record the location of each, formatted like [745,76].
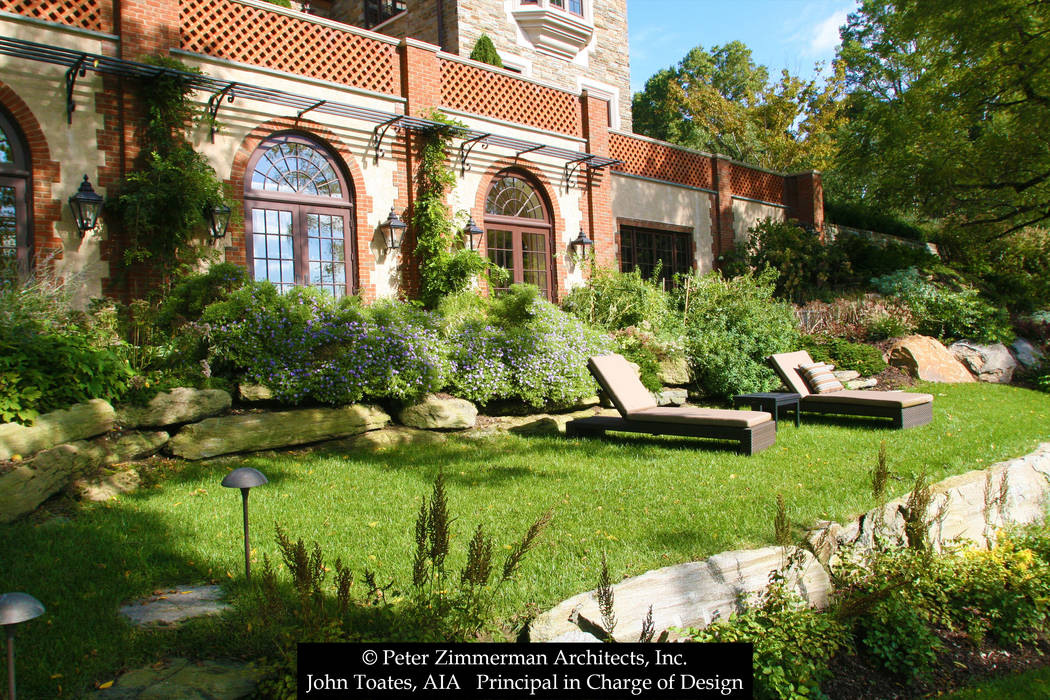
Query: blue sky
[792,34]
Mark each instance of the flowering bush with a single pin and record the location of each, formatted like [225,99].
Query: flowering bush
[479,367]
[305,346]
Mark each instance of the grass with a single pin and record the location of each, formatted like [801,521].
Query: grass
[645,502]
[1020,686]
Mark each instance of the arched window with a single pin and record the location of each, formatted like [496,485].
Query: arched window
[14,203]
[518,231]
[299,217]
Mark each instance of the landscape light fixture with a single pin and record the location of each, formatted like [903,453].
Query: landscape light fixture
[218,218]
[581,244]
[16,608]
[86,205]
[245,479]
[474,234]
[395,229]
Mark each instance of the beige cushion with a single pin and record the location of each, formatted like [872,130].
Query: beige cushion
[621,383]
[819,378]
[786,364]
[904,399]
[700,416]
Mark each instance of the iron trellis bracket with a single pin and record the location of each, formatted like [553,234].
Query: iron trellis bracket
[519,154]
[466,147]
[213,108]
[77,69]
[378,134]
[571,168]
[311,107]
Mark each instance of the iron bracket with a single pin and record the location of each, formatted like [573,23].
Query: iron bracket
[311,107]
[466,147]
[528,150]
[378,134]
[571,168]
[213,108]
[77,69]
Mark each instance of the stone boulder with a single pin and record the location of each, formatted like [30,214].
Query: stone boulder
[674,371]
[687,595]
[107,486]
[671,397]
[130,446]
[84,420]
[1027,353]
[865,383]
[31,483]
[180,405]
[437,413]
[254,392]
[846,375]
[391,437]
[265,431]
[991,363]
[925,358]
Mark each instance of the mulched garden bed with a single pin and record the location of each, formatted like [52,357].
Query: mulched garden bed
[962,663]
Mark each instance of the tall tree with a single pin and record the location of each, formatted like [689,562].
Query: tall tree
[722,101]
[950,111]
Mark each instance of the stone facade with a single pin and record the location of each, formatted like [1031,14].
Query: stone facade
[601,64]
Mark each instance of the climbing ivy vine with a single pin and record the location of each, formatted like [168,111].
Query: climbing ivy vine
[445,267]
[160,205]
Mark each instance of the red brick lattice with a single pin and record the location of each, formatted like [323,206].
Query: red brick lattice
[85,14]
[660,161]
[490,94]
[228,29]
[756,184]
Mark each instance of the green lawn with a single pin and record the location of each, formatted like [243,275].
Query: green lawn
[1021,686]
[646,502]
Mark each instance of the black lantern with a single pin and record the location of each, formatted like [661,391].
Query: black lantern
[14,609]
[474,234]
[86,205]
[218,218]
[395,229]
[245,479]
[581,244]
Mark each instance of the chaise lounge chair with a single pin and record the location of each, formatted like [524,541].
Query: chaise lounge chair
[753,430]
[906,409]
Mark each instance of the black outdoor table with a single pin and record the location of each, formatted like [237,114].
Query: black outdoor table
[771,402]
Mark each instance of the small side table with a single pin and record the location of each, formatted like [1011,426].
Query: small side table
[771,402]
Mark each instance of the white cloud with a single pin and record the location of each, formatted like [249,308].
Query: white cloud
[826,35]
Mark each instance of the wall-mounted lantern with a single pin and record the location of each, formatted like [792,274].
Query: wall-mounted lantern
[474,234]
[245,479]
[581,245]
[86,205]
[394,228]
[14,609]
[218,218]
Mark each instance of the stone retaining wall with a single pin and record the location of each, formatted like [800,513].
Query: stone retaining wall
[971,507]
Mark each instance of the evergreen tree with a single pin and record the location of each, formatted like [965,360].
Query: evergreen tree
[485,52]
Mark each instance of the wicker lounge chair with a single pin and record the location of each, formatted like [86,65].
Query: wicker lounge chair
[753,430]
[904,408]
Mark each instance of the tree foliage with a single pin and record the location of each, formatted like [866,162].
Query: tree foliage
[485,51]
[949,111]
[722,101]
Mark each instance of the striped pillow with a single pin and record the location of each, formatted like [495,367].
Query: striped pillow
[819,378]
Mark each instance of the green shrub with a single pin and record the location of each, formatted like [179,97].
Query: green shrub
[615,300]
[1011,271]
[641,348]
[485,51]
[863,216]
[845,355]
[188,298]
[885,326]
[898,634]
[51,356]
[793,643]
[867,259]
[803,263]
[732,326]
[305,346]
[948,314]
